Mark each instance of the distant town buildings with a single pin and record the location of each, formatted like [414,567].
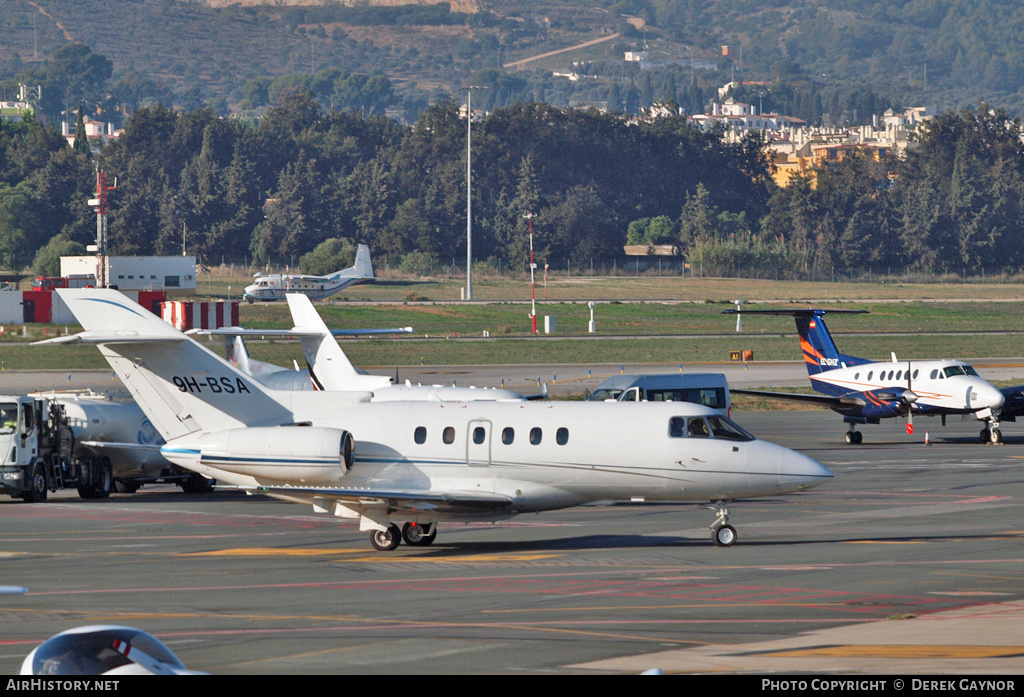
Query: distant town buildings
[98,133]
[16,111]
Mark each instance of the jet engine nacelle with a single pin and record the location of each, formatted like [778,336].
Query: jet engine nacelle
[307,454]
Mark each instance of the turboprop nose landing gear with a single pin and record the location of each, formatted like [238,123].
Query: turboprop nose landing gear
[722,534]
[991,433]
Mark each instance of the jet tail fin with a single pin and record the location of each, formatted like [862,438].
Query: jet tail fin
[237,353]
[329,367]
[182,386]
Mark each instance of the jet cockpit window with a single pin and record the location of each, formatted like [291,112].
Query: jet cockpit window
[8,417]
[952,370]
[677,427]
[696,428]
[722,427]
[971,371]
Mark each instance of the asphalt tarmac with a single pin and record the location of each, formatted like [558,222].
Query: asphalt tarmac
[910,562]
[561,379]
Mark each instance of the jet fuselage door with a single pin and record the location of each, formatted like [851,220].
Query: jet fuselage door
[478,443]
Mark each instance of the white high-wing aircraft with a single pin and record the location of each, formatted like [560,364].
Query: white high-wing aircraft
[865,391]
[425,462]
[274,286]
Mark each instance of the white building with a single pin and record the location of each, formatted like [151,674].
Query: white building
[176,275]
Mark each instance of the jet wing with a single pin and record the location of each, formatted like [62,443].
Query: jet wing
[845,401]
[393,499]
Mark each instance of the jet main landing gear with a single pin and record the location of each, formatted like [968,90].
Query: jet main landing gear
[414,534]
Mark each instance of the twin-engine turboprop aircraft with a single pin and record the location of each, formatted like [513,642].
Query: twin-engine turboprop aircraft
[865,392]
[425,462]
[274,286]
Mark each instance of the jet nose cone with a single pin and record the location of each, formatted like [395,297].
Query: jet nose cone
[797,471]
[989,396]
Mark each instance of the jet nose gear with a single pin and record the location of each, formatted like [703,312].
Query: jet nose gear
[722,534]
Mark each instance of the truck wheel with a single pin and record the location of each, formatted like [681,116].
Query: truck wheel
[125,486]
[197,484]
[37,489]
[103,480]
[100,481]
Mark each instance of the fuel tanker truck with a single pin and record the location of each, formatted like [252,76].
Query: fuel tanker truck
[86,440]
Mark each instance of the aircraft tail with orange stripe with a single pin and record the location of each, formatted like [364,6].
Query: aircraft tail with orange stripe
[820,352]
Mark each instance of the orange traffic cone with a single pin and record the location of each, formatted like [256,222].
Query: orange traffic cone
[927,440]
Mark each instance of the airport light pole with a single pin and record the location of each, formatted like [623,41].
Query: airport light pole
[469,189]
[533,285]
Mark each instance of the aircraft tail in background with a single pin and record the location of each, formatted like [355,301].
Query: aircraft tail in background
[363,268]
[819,349]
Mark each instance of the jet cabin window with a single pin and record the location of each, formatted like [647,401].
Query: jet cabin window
[478,434]
[535,435]
[508,434]
[420,435]
[448,436]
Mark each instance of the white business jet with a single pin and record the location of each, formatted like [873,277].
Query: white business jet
[424,462]
[274,286]
[328,366]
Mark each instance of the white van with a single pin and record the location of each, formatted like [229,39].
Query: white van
[709,389]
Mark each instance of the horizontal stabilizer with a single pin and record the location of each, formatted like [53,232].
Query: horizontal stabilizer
[294,333]
[804,312]
[104,337]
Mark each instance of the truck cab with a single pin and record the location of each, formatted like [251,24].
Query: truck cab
[22,470]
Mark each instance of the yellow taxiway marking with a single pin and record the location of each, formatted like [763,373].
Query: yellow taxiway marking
[272,552]
[885,542]
[471,559]
[893,651]
[277,552]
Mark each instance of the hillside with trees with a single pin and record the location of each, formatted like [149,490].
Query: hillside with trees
[278,134]
[807,58]
[302,186]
